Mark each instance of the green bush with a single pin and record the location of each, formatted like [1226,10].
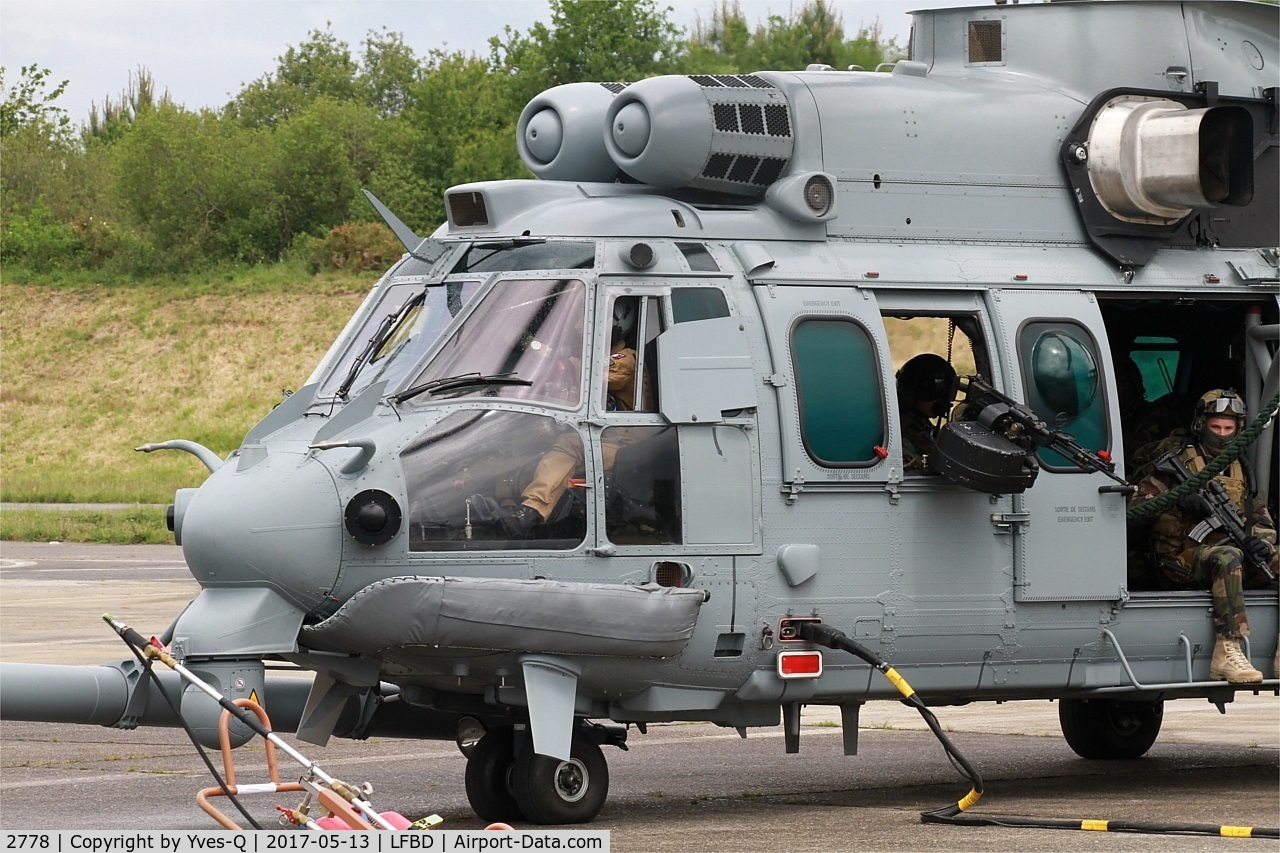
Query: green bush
[33,240]
[352,248]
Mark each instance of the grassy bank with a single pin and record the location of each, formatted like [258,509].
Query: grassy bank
[141,525]
[92,371]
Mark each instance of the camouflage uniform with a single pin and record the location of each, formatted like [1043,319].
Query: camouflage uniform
[1214,563]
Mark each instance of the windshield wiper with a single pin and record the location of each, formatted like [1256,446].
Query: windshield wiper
[385,328]
[453,383]
[467,264]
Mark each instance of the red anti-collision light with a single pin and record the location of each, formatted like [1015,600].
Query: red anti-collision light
[799,664]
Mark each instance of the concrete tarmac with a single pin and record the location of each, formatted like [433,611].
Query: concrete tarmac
[679,787]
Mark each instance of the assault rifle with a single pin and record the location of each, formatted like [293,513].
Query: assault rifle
[1219,511]
[1016,422]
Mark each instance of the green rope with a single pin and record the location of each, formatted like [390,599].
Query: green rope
[1228,455]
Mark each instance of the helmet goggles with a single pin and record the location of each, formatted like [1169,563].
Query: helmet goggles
[1227,405]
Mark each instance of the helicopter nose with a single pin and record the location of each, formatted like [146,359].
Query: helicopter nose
[275,522]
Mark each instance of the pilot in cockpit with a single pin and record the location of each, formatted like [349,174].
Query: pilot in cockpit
[565,458]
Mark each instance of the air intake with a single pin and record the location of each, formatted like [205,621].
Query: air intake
[986,41]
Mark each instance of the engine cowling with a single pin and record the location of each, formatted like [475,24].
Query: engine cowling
[560,134]
[728,133]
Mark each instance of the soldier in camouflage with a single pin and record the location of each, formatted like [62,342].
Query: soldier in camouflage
[1215,562]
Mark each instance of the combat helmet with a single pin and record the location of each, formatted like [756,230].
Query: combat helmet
[927,378]
[1218,403]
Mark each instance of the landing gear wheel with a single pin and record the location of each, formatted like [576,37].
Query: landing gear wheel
[488,777]
[1110,728]
[551,791]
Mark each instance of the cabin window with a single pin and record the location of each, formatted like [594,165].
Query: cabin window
[642,484]
[466,475]
[1157,358]
[838,387]
[1060,372]
[689,304]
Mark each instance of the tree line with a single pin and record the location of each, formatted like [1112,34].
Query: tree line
[144,186]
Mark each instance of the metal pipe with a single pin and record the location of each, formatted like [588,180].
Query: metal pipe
[49,693]
[1265,376]
[204,454]
[1133,679]
[101,695]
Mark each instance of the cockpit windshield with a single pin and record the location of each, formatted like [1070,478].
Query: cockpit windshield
[407,320]
[513,255]
[526,331]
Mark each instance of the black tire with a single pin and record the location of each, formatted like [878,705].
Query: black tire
[488,777]
[551,791]
[1110,729]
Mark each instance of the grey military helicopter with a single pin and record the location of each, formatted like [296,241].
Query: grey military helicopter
[1055,186]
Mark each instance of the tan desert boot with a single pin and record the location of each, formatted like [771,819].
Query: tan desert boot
[1230,665]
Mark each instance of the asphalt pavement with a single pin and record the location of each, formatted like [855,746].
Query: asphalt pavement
[679,787]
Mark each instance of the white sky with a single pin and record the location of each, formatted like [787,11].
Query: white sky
[204,51]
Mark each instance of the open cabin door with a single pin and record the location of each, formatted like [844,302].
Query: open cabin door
[1071,523]
[708,389]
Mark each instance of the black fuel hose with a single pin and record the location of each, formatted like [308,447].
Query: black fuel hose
[822,634]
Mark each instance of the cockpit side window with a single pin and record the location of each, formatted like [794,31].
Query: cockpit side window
[641,461]
[630,383]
